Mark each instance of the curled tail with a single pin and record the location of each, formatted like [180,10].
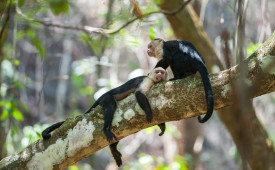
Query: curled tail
[93,106]
[46,133]
[208,92]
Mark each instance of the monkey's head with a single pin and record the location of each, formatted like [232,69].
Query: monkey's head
[158,74]
[155,48]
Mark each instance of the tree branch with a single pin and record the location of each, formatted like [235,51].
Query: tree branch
[89,29]
[81,136]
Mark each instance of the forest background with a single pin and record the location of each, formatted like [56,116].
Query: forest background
[57,57]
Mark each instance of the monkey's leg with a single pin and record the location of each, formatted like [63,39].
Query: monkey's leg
[145,105]
[116,154]
[109,108]
[162,128]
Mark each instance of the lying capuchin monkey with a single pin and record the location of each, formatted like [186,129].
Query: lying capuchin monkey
[184,60]
[139,85]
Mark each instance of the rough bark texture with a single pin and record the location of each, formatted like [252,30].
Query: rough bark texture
[81,136]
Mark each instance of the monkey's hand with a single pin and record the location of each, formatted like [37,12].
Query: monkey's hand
[109,135]
[162,128]
[149,117]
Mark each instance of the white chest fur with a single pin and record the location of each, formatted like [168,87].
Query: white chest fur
[159,52]
[146,84]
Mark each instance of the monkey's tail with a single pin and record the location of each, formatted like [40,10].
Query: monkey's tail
[208,92]
[93,106]
[46,133]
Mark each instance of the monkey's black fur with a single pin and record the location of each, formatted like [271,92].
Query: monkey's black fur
[184,60]
[46,133]
[108,103]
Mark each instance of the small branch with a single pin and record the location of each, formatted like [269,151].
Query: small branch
[89,29]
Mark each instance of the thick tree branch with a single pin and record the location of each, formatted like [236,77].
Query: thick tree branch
[89,29]
[81,136]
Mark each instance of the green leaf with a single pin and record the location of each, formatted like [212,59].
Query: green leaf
[19,35]
[252,47]
[17,115]
[14,131]
[122,32]
[4,114]
[86,91]
[158,2]
[150,130]
[30,33]
[40,48]
[24,107]
[152,33]
[21,3]
[16,62]
[2,102]
[59,6]
[134,41]
[18,85]
[73,167]
[77,80]
[38,134]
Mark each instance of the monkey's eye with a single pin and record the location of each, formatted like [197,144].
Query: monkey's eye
[149,46]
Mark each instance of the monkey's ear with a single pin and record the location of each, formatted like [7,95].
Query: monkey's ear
[160,40]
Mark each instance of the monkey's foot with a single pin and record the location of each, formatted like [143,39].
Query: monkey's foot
[162,128]
[149,118]
[109,135]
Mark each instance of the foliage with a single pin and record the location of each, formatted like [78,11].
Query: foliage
[16,141]
[252,47]
[146,161]
[170,130]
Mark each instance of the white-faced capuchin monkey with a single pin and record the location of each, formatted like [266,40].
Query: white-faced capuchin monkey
[139,85]
[184,60]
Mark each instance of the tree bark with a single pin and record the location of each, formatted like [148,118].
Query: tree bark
[81,136]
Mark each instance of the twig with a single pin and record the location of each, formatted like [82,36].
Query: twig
[89,29]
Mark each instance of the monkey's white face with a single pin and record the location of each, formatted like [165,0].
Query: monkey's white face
[154,49]
[151,49]
[158,75]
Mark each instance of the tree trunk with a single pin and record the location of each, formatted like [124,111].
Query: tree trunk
[81,136]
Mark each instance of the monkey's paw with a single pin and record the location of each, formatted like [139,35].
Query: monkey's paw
[149,118]
[110,136]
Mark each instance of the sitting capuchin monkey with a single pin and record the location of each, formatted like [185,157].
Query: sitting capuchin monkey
[140,85]
[184,60]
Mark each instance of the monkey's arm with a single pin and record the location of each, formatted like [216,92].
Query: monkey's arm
[164,63]
[145,105]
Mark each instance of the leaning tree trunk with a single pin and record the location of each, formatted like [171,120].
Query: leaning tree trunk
[255,148]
